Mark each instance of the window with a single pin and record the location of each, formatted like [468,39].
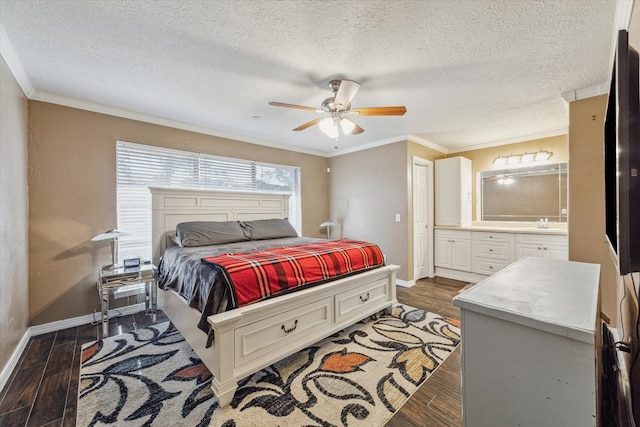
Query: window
[140,166]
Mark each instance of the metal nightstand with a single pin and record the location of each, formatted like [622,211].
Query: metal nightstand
[113,278]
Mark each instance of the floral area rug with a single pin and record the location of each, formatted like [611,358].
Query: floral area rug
[358,377]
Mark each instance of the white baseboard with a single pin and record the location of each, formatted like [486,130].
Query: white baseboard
[13,360]
[463,276]
[57,326]
[405,283]
[83,320]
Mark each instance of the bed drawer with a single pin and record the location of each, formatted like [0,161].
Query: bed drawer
[276,333]
[351,303]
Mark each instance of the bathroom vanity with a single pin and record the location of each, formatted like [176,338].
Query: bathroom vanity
[474,252]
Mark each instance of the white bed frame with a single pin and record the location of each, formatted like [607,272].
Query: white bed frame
[250,338]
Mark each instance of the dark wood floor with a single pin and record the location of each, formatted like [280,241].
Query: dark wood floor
[42,390]
[437,403]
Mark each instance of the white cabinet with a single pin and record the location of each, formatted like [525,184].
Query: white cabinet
[453,249]
[541,246]
[491,252]
[468,255]
[453,191]
[528,345]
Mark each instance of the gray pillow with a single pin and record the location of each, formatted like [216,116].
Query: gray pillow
[261,229]
[203,233]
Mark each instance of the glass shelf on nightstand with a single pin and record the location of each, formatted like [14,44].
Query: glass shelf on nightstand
[113,278]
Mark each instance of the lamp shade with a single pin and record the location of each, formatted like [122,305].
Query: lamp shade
[347,125]
[329,127]
[107,235]
[113,236]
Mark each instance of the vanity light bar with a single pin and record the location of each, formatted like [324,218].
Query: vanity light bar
[515,159]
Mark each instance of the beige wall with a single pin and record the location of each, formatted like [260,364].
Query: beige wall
[482,159]
[367,189]
[587,241]
[14,286]
[72,196]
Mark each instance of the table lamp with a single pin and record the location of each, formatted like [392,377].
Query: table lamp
[328,224]
[113,236]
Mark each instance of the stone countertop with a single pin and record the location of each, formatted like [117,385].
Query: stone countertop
[501,227]
[554,296]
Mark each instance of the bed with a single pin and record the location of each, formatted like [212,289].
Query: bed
[251,337]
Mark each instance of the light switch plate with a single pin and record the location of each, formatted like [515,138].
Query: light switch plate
[397,217]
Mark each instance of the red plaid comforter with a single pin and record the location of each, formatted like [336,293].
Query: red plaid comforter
[255,276]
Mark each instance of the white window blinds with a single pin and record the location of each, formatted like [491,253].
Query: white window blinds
[142,166]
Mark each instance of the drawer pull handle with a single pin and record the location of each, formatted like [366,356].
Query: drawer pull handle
[490,250]
[364,299]
[295,325]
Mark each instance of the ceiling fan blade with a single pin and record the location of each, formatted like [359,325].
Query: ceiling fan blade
[356,128]
[299,107]
[346,92]
[308,124]
[380,111]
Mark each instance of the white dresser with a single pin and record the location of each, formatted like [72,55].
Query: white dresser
[528,345]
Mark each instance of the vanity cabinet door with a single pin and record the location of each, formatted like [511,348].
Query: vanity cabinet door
[461,255]
[442,251]
[453,249]
[530,250]
[541,246]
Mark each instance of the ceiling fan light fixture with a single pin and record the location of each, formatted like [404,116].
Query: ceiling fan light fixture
[337,106]
[347,125]
[328,126]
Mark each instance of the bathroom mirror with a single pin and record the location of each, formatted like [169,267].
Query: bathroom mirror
[524,194]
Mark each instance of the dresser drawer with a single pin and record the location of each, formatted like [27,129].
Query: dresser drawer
[489,249]
[351,303]
[488,266]
[274,333]
[489,236]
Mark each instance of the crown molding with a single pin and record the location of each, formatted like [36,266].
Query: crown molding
[340,152]
[588,92]
[147,118]
[15,66]
[428,144]
[514,140]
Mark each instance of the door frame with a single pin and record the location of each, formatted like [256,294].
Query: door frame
[415,160]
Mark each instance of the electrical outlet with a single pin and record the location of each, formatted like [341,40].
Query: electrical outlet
[397,217]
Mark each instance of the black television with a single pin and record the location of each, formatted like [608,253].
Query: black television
[622,159]
[622,213]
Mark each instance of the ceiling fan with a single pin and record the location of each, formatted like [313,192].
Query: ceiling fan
[339,108]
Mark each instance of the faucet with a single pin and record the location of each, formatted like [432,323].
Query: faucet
[543,223]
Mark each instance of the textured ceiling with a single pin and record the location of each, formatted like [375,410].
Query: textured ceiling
[469,72]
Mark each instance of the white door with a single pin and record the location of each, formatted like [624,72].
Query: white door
[422,223]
